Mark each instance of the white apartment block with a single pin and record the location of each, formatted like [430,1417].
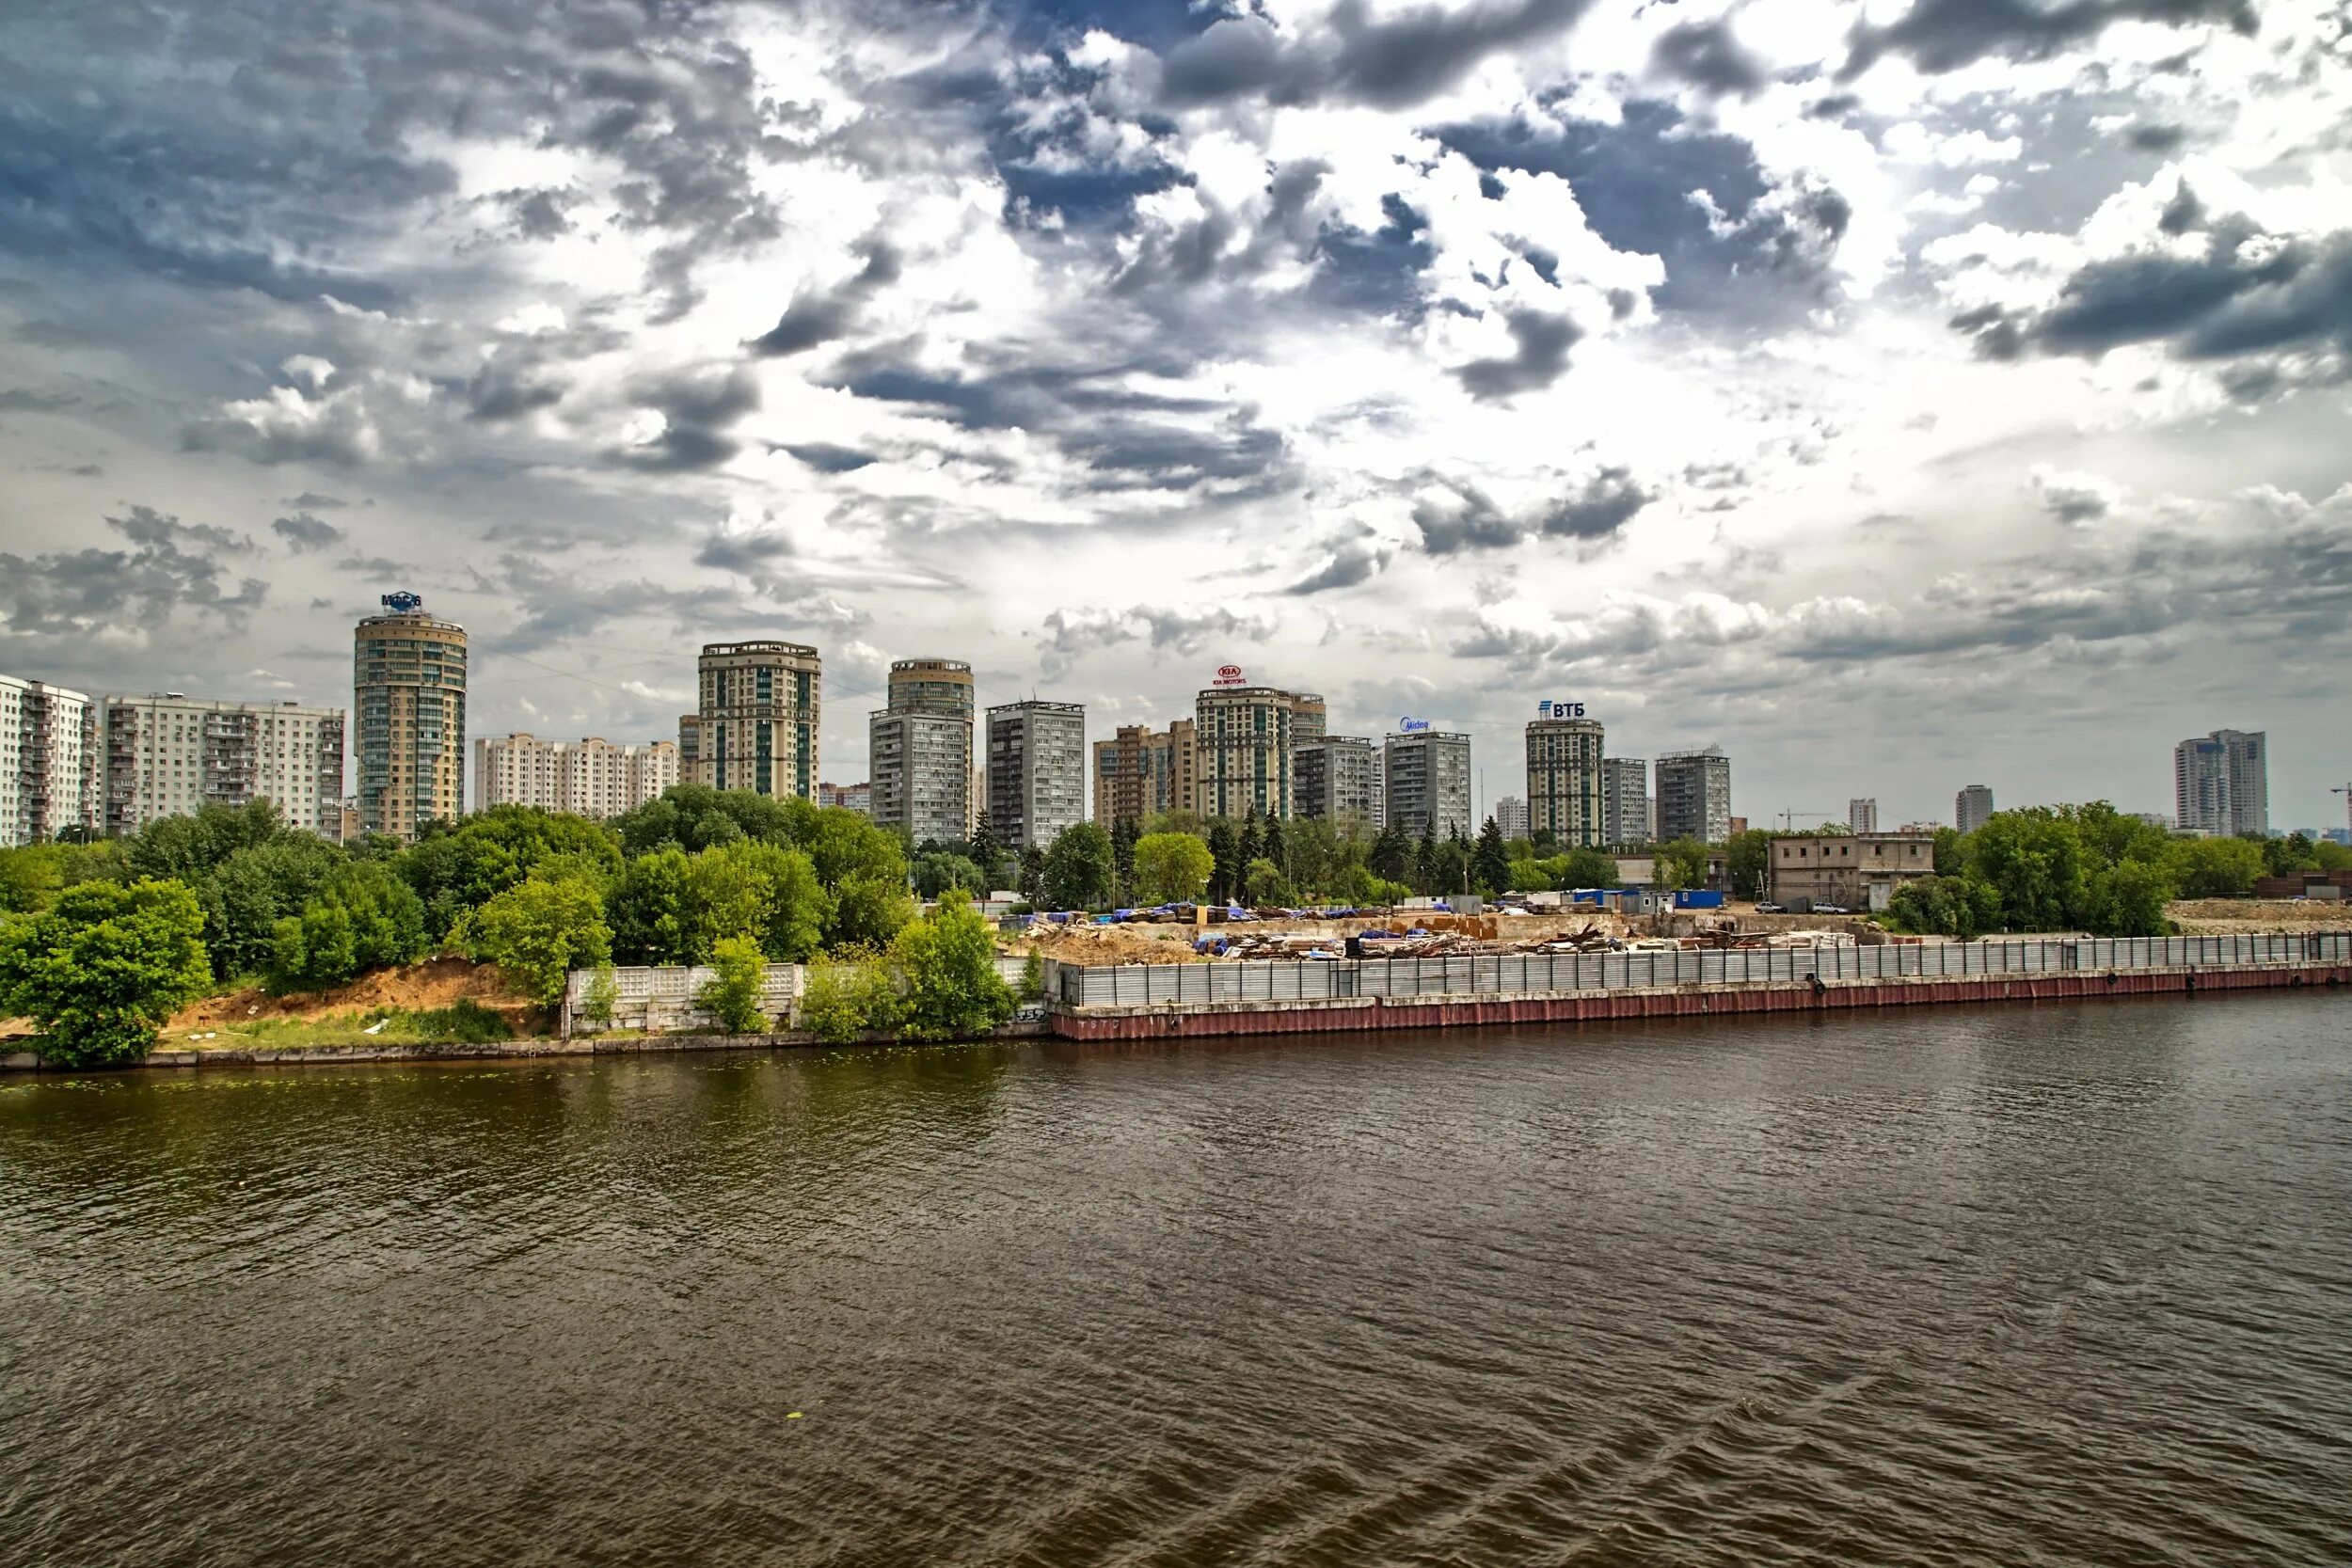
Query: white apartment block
[166,753]
[45,761]
[1862,814]
[591,777]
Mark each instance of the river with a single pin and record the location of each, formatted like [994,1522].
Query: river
[2031,1284]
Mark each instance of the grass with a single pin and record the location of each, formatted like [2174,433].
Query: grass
[467,1020]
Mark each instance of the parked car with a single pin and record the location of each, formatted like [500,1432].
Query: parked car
[1831,908]
[1771,908]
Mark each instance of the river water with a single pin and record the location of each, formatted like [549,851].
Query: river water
[2055,1284]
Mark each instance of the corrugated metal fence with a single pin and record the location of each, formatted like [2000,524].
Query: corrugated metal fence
[1144,984]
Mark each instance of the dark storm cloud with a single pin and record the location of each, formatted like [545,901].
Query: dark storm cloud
[1540,355]
[305,534]
[827,458]
[698,409]
[1351,560]
[1389,62]
[312,501]
[1937,36]
[1638,182]
[508,387]
[2183,213]
[1592,514]
[2157,138]
[2248,294]
[823,316]
[20,399]
[1709,56]
[754,555]
[170,566]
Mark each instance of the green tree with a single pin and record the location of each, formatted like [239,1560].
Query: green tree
[1263,886]
[1490,867]
[734,991]
[1390,858]
[1450,868]
[842,844]
[246,895]
[1225,861]
[2215,867]
[648,909]
[2034,858]
[938,869]
[33,875]
[186,848]
[1749,856]
[538,932]
[2127,899]
[987,854]
[848,994]
[1425,868]
[1278,848]
[757,889]
[1252,844]
[1029,881]
[1681,864]
[1171,868]
[949,961]
[602,998]
[362,917]
[1584,869]
[1079,868]
[1123,839]
[2332,857]
[100,971]
[868,912]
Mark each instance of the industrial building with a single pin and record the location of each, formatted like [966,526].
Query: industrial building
[1565,782]
[166,753]
[1037,779]
[1335,776]
[410,702]
[1624,803]
[47,760]
[1847,870]
[755,726]
[2222,783]
[919,751]
[1972,808]
[1141,771]
[591,777]
[1428,784]
[1694,796]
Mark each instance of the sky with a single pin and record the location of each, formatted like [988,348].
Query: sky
[1899,397]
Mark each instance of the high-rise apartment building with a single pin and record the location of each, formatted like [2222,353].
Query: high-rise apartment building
[919,751]
[2221,783]
[756,720]
[1037,771]
[1511,817]
[1141,771]
[1245,746]
[1862,814]
[1972,808]
[166,753]
[47,761]
[1625,803]
[591,777]
[1336,776]
[1694,796]
[1428,784]
[408,682]
[1566,794]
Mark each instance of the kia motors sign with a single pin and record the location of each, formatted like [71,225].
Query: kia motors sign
[1229,674]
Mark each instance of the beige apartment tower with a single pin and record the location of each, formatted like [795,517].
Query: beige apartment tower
[410,688]
[1566,791]
[919,751]
[1142,771]
[1246,745]
[755,726]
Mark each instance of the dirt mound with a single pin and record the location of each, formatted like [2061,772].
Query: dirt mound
[1115,945]
[436,983]
[2225,917]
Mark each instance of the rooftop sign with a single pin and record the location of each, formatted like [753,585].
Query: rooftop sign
[1412,726]
[1229,674]
[404,602]
[1551,709]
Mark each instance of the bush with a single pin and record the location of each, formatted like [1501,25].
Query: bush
[603,996]
[734,992]
[1033,978]
[949,961]
[466,1021]
[363,918]
[101,970]
[538,933]
[849,994]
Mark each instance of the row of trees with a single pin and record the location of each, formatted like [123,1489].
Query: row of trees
[2087,868]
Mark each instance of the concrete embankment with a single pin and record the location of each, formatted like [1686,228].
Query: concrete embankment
[1319,1015]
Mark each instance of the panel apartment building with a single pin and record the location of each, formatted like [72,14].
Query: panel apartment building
[1694,796]
[919,751]
[1037,771]
[590,777]
[166,753]
[1141,771]
[1972,808]
[47,757]
[1428,784]
[755,723]
[409,680]
[1624,803]
[1337,776]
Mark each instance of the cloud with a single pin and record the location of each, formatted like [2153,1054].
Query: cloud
[113,594]
[305,534]
[1394,60]
[19,400]
[1453,516]
[1349,561]
[1939,36]
[821,317]
[2073,499]
[1709,56]
[697,408]
[1543,342]
[1072,635]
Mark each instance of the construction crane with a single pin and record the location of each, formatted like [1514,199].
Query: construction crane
[2346,792]
[1788,818]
